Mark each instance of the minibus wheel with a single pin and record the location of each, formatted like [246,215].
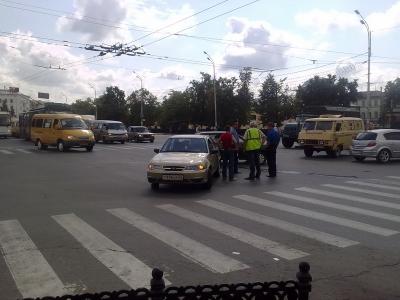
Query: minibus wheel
[60,146]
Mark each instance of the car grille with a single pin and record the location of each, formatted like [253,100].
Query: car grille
[173,168]
[84,138]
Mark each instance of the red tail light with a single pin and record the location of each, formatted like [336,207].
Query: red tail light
[371,144]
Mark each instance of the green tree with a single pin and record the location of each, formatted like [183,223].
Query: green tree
[327,91]
[174,111]
[84,107]
[151,107]
[272,97]
[112,105]
[244,98]
[392,95]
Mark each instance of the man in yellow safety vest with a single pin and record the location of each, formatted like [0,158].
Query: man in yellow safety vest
[253,140]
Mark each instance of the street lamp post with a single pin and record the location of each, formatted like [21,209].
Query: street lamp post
[364,22]
[95,97]
[141,97]
[215,91]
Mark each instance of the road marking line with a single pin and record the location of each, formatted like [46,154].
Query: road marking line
[380,186]
[24,151]
[349,197]
[385,181]
[289,172]
[315,215]
[236,233]
[283,225]
[359,190]
[31,272]
[123,264]
[189,248]
[6,152]
[356,210]
[393,177]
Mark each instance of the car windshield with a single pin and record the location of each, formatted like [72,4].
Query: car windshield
[5,120]
[290,127]
[324,125]
[115,126]
[309,125]
[191,145]
[140,129]
[366,136]
[72,123]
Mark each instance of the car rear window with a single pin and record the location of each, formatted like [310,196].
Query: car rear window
[366,136]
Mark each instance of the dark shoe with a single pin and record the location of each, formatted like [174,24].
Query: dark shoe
[249,178]
[258,176]
[232,179]
[271,176]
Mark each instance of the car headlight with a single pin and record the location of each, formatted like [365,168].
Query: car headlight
[198,167]
[152,167]
[70,137]
[321,142]
[110,134]
[140,135]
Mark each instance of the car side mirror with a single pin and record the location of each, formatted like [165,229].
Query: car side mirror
[156,150]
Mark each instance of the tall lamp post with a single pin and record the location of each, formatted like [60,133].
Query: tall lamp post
[95,97]
[364,22]
[141,97]
[215,91]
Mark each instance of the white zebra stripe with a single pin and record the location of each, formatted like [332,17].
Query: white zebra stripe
[191,249]
[123,264]
[33,275]
[349,197]
[23,151]
[393,177]
[6,152]
[236,233]
[380,186]
[283,225]
[316,215]
[364,191]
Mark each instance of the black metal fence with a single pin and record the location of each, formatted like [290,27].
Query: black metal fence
[275,290]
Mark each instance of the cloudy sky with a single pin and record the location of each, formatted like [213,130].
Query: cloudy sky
[42,42]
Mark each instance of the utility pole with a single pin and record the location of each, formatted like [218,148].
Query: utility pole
[141,98]
[95,97]
[215,91]
[364,22]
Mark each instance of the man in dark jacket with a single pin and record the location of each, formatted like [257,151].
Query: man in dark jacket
[273,140]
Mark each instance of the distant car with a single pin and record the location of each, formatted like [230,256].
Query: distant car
[382,144]
[215,135]
[190,159]
[140,134]
[290,134]
[109,131]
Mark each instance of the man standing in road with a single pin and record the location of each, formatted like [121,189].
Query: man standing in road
[236,139]
[253,140]
[228,146]
[273,139]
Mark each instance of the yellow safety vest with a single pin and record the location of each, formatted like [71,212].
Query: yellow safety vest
[253,139]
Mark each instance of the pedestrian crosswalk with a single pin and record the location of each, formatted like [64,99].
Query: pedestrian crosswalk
[331,207]
[14,151]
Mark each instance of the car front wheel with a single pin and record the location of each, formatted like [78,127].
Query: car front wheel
[60,146]
[308,152]
[209,182]
[155,186]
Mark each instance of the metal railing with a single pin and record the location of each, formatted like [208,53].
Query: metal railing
[274,290]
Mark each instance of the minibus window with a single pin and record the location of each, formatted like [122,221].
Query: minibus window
[338,126]
[39,123]
[55,123]
[324,125]
[47,123]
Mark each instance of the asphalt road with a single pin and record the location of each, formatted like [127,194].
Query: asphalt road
[82,222]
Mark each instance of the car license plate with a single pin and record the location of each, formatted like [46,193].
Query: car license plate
[171,177]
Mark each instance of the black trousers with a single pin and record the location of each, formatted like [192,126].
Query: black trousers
[235,161]
[227,163]
[254,163]
[271,160]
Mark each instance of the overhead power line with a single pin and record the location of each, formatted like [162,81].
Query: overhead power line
[202,22]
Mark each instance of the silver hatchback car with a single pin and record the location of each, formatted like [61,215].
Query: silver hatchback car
[382,144]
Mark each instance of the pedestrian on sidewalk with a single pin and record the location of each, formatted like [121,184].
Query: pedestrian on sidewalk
[236,138]
[228,146]
[273,139]
[253,140]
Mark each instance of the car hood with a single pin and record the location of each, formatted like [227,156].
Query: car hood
[78,132]
[178,158]
[116,131]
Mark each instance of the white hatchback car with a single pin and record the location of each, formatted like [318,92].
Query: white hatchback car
[382,144]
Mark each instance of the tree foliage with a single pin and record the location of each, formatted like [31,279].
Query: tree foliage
[392,95]
[84,107]
[327,91]
[151,107]
[112,105]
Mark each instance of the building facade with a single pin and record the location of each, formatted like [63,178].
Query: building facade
[371,110]
[13,101]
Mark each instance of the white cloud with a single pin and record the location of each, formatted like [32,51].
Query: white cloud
[387,19]
[123,20]
[326,20]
